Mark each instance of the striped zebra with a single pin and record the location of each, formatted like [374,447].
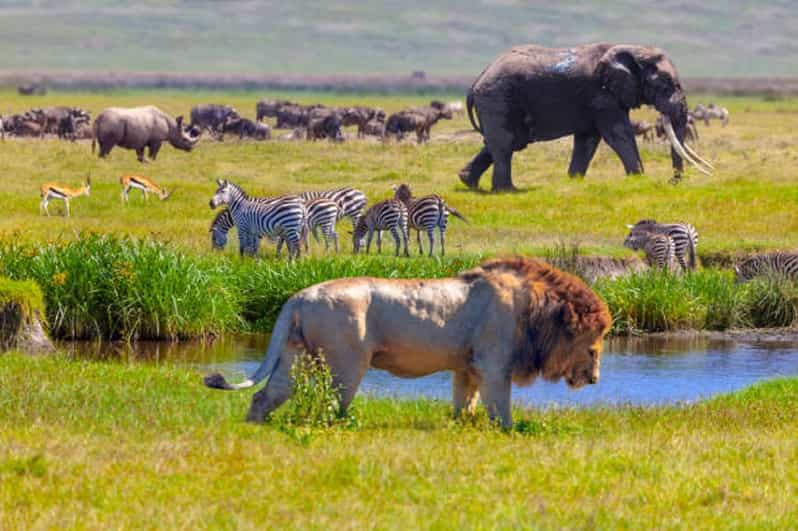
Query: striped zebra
[658,248]
[282,217]
[321,214]
[777,264]
[684,236]
[352,200]
[426,213]
[390,214]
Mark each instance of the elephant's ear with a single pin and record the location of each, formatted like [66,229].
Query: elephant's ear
[619,74]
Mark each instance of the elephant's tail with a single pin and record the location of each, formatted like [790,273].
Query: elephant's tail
[470,107]
[286,329]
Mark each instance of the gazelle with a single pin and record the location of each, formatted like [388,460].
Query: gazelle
[145,184]
[56,191]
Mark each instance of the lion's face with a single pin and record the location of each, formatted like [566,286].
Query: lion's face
[576,359]
[585,361]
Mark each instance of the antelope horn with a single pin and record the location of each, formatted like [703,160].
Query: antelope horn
[679,148]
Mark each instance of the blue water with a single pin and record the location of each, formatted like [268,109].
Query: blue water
[639,372]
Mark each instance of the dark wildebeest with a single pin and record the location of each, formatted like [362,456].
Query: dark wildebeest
[360,116]
[325,123]
[292,116]
[644,129]
[269,108]
[418,119]
[244,127]
[30,89]
[212,117]
[140,127]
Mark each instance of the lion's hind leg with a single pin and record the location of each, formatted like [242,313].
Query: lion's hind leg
[276,391]
[465,392]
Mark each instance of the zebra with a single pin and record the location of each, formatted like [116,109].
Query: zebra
[323,214]
[352,200]
[659,248]
[778,264]
[426,213]
[282,217]
[684,236]
[390,214]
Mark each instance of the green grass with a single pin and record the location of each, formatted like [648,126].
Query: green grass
[101,286]
[25,295]
[748,204]
[94,445]
[738,37]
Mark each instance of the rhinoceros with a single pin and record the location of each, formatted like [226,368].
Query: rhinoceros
[140,127]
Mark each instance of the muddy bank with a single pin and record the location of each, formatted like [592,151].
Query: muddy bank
[21,317]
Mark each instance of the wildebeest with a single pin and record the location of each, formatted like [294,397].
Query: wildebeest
[360,116]
[644,129]
[418,119]
[374,128]
[710,112]
[292,116]
[269,108]
[62,120]
[244,127]
[140,127]
[325,123]
[212,117]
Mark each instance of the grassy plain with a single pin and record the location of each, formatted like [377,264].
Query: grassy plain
[748,204]
[97,445]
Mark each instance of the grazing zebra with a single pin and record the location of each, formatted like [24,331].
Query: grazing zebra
[220,226]
[282,217]
[352,200]
[426,213]
[659,248]
[323,214]
[778,264]
[390,214]
[684,236]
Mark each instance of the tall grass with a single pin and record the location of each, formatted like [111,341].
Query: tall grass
[101,286]
[107,287]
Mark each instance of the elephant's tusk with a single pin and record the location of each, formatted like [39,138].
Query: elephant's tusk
[680,149]
[696,156]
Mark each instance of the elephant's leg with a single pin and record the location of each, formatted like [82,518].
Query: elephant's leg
[471,173]
[618,133]
[495,386]
[502,170]
[277,390]
[585,145]
[465,392]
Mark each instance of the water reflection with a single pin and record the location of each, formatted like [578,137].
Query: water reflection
[650,370]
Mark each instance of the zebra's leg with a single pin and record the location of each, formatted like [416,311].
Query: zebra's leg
[418,239]
[280,247]
[379,241]
[368,240]
[431,237]
[335,240]
[396,239]
[442,231]
[682,263]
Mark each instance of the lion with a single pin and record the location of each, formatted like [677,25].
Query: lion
[508,320]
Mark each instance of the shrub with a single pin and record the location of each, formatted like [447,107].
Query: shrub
[315,402]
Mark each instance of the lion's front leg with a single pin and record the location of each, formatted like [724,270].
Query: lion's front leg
[465,392]
[495,387]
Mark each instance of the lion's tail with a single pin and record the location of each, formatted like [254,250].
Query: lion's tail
[286,328]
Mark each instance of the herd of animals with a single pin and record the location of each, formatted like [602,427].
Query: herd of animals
[311,122]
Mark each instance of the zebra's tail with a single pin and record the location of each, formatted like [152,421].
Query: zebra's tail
[691,254]
[286,329]
[455,213]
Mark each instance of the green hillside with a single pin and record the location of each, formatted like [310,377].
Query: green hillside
[730,38]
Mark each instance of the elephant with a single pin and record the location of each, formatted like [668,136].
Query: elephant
[140,127]
[531,93]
